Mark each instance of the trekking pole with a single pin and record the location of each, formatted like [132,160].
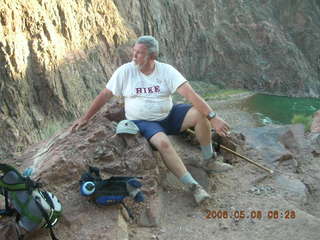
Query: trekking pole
[247,159]
[239,155]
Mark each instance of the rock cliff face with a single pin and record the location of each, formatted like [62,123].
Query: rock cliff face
[56,55]
[270,46]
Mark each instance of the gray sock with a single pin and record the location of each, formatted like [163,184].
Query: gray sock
[207,152]
[188,179]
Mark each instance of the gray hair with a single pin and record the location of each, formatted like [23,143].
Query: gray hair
[150,42]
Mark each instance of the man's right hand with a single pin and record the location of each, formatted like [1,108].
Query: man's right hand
[78,124]
[98,102]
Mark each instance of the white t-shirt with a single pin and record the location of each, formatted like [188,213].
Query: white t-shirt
[147,97]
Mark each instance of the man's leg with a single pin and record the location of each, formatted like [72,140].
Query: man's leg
[155,133]
[202,128]
[174,163]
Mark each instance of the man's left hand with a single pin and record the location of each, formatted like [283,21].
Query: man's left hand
[220,126]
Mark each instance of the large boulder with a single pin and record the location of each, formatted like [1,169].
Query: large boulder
[288,151]
[60,162]
[277,144]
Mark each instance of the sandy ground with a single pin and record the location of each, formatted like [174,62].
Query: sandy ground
[234,210]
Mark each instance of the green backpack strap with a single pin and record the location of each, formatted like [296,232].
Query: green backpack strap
[8,211]
[5,168]
[13,187]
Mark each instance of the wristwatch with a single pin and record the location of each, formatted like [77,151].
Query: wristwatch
[211,115]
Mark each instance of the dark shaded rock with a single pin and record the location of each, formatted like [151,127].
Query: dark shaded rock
[277,144]
[229,143]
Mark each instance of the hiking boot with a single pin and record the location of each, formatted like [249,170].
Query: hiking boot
[214,166]
[199,193]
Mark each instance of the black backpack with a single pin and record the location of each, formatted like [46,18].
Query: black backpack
[112,190]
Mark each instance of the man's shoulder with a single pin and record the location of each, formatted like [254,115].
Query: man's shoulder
[164,66]
[167,68]
[122,72]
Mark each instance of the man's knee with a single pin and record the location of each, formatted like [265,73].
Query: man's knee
[161,142]
[192,118]
[164,146]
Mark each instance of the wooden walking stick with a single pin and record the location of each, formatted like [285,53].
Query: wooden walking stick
[247,159]
[240,156]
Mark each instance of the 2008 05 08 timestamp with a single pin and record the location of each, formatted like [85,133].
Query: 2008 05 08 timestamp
[253,214]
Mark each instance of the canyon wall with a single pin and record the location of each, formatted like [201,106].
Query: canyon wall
[56,55]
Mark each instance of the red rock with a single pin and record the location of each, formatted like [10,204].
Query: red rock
[60,161]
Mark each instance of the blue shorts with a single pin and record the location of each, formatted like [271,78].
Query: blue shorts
[171,125]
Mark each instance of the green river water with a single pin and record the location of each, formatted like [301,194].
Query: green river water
[280,110]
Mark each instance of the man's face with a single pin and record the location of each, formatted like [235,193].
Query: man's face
[140,55]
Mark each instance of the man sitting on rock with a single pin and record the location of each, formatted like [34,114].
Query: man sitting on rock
[147,85]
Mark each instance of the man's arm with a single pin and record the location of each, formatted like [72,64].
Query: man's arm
[96,105]
[185,90]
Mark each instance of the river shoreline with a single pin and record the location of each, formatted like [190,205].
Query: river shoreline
[229,109]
